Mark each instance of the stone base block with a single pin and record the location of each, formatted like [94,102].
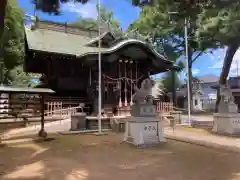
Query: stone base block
[142,131]
[226,123]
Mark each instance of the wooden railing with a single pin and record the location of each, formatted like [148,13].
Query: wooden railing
[65,112]
[164,107]
[67,101]
[55,106]
[161,107]
[124,111]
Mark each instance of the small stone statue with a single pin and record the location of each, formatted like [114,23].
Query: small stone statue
[227,104]
[144,92]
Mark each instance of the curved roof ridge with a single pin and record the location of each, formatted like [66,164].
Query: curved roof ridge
[127,42]
[94,40]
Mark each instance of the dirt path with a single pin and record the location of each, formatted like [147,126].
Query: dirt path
[88,157]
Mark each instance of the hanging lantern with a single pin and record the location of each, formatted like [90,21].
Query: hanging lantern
[125,88]
[105,88]
[119,84]
[131,101]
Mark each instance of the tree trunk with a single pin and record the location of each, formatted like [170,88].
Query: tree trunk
[190,54]
[173,88]
[231,50]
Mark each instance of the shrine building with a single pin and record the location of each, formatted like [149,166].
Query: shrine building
[67,57]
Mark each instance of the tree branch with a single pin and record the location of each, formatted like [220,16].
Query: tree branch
[197,56]
[179,45]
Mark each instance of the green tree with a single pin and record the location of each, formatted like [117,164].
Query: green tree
[157,22]
[222,26]
[170,80]
[3,4]
[17,77]
[12,41]
[107,21]
[167,81]
[53,7]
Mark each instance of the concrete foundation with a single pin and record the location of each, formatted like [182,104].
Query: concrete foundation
[142,131]
[226,123]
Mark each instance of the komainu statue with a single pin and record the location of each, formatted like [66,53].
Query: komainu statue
[226,104]
[145,92]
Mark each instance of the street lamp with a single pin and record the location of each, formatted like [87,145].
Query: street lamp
[186,23]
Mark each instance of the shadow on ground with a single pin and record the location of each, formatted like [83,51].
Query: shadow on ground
[88,157]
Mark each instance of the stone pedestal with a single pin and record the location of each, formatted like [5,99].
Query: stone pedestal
[142,131]
[143,127]
[118,123]
[78,122]
[92,122]
[226,123]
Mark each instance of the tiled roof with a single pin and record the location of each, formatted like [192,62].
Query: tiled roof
[59,38]
[25,90]
[56,42]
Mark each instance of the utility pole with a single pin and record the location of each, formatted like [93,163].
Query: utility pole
[99,72]
[186,24]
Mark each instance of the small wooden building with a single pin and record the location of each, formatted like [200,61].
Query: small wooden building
[67,56]
[182,96]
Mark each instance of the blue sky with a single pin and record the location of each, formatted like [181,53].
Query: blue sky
[209,63]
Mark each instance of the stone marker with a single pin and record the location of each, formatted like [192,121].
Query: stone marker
[78,121]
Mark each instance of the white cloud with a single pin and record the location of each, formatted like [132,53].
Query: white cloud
[87,10]
[235,67]
[195,71]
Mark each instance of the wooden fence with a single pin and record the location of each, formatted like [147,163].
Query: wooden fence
[57,108]
[164,107]
[66,112]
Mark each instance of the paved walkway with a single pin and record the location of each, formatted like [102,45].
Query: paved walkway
[190,135]
[197,118]
[50,127]
[204,138]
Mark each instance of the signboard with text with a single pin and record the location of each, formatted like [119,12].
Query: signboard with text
[150,129]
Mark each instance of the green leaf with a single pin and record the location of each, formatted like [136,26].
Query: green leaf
[12,41]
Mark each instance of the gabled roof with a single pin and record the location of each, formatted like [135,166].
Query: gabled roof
[51,39]
[55,42]
[122,44]
[72,41]
[105,37]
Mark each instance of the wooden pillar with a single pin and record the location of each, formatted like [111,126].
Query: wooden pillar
[42,133]
[95,99]
[103,92]
[173,88]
